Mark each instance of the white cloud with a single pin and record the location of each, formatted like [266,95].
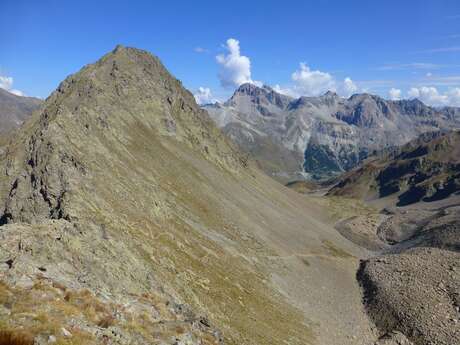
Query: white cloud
[348,87]
[6,83]
[413,93]
[431,96]
[428,95]
[235,68]
[284,90]
[453,96]
[312,83]
[204,95]
[394,94]
[429,75]
[307,82]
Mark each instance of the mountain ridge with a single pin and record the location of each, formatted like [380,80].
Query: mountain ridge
[329,133]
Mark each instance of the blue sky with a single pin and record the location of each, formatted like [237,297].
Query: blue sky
[392,48]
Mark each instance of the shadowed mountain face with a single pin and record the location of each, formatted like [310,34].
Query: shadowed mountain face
[15,109]
[321,136]
[129,218]
[426,169]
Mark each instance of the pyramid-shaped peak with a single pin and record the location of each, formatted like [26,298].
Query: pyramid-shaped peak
[127,101]
[121,57]
[128,73]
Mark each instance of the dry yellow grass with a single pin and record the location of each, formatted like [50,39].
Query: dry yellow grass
[11,337]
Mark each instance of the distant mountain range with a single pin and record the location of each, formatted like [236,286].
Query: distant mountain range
[319,137]
[15,109]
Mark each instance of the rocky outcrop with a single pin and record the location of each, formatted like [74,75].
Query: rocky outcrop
[329,133]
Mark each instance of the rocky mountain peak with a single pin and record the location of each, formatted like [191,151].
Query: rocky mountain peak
[330,98]
[253,91]
[365,97]
[330,94]
[108,105]
[264,95]
[249,89]
[125,70]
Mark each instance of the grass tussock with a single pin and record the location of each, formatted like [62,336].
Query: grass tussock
[10,337]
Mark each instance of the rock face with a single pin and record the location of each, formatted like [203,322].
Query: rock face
[426,169]
[15,109]
[321,136]
[129,218]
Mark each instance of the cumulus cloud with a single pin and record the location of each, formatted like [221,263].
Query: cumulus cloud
[312,83]
[394,94]
[413,92]
[431,96]
[6,83]
[235,69]
[204,95]
[454,97]
[284,90]
[348,87]
[308,82]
